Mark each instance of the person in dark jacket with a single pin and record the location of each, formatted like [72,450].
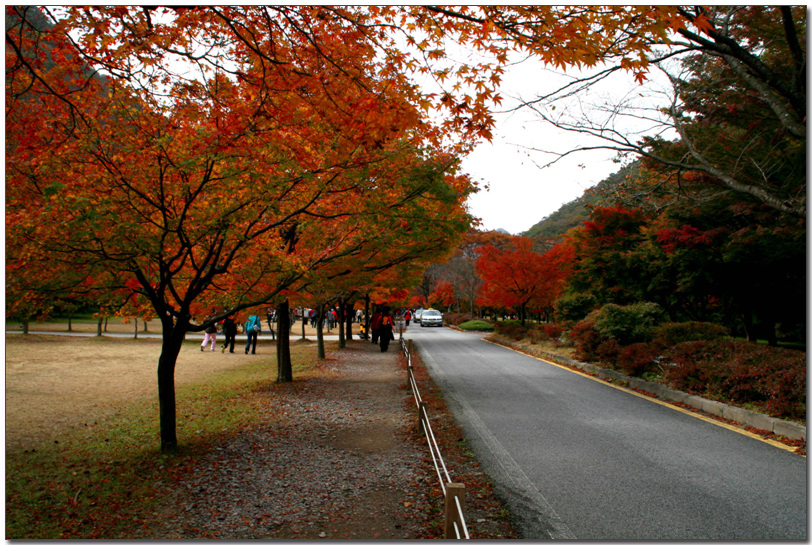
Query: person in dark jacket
[386,329]
[230,331]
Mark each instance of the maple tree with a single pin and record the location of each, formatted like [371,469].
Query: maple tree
[202,195]
[518,277]
[606,262]
[736,110]
[459,273]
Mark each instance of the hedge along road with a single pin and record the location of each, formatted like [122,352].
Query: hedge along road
[577,459]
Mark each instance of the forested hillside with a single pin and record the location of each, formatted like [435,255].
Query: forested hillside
[574,213]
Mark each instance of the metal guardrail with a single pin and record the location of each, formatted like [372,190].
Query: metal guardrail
[455,527]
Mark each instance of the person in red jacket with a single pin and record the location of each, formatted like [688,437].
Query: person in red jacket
[375,326]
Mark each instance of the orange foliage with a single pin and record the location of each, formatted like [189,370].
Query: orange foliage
[521,278]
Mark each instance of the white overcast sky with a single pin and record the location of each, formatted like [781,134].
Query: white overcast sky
[521,193]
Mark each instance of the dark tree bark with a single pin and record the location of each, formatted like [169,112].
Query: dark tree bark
[284,365]
[348,321]
[172,341]
[320,331]
[342,341]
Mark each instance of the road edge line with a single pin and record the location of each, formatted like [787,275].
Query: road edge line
[702,417]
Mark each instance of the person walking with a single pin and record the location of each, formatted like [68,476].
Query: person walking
[271,316]
[374,326]
[209,335]
[253,327]
[386,327]
[230,331]
[407,316]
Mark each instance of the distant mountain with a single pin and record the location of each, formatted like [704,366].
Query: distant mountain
[574,213]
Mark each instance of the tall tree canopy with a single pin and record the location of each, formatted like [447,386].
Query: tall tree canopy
[208,159]
[518,277]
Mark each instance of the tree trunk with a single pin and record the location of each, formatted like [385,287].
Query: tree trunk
[342,341]
[320,331]
[172,341]
[749,328]
[70,322]
[348,321]
[99,327]
[284,365]
[25,326]
[366,314]
[135,322]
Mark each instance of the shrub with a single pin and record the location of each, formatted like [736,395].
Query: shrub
[608,351]
[628,324]
[553,331]
[586,339]
[537,334]
[574,307]
[771,379]
[512,329]
[638,358]
[476,325]
[455,318]
[671,334]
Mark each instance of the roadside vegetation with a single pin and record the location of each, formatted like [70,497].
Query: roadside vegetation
[695,357]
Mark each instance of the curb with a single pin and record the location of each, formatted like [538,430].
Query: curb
[786,428]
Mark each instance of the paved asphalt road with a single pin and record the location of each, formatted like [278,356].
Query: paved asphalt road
[578,459]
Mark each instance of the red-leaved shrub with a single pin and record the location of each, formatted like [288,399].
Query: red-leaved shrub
[637,358]
[771,379]
[586,339]
[553,331]
[608,352]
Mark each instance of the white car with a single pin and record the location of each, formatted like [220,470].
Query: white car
[416,315]
[431,317]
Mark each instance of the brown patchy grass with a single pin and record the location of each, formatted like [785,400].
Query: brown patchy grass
[57,385]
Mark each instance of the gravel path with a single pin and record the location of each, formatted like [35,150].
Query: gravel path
[342,462]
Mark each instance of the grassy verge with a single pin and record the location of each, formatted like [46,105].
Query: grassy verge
[96,483]
[476,325]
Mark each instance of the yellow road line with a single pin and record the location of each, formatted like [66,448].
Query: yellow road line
[713,421]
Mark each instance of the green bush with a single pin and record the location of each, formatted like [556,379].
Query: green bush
[628,324]
[512,329]
[476,325]
[671,334]
[574,307]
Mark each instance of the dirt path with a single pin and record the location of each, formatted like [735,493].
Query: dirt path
[345,465]
[334,456]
